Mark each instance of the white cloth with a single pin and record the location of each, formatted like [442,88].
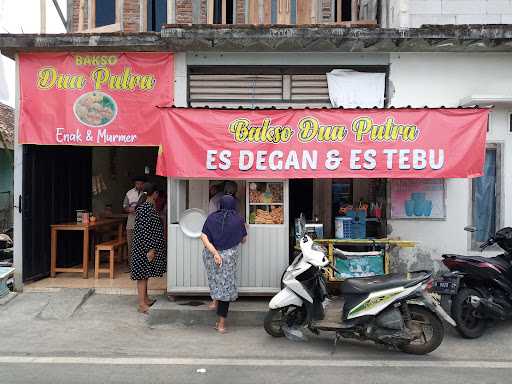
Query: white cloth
[4,89]
[130,201]
[214,204]
[352,89]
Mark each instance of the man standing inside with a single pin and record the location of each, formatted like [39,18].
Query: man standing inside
[216,193]
[226,188]
[130,205]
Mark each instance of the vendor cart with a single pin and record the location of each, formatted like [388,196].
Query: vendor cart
[370,258]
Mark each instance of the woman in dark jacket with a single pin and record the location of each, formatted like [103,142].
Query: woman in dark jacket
[223,232]
[148,252]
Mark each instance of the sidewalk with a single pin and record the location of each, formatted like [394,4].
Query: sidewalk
[64,324]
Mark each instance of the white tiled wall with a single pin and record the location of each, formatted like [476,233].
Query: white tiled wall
[453,12]
[459,12]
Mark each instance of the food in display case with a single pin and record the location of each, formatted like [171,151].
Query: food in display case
[266,202]
[263,216]
[277,192]
[265,193]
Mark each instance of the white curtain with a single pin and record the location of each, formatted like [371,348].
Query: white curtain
[4,90]
[351,89]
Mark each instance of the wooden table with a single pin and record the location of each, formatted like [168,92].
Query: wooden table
[86,229]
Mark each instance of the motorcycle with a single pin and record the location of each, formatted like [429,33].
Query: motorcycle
[478,289]
[395,310]
[6,253]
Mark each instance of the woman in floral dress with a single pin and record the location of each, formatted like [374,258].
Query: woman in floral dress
[223,232]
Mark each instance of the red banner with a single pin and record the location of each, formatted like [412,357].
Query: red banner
[93,98]
[309,143]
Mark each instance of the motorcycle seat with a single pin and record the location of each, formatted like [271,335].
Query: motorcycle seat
[498,261]
[364,285]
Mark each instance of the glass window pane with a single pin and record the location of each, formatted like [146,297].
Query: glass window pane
[105,12]
[157,14]
[484,199]
[217,11]
[266,203]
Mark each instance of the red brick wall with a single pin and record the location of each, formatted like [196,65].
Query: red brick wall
[76,12]
[184,11]
[131,16]
[131,13]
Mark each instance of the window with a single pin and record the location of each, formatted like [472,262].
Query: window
[105,13]
[342,10]
[220,12]
[364,11]
[265,202]
[156,14]
[485,191]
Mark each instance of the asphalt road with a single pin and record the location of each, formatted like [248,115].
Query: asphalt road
[55,373]
[107,341]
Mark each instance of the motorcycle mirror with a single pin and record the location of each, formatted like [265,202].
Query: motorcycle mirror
[470,229]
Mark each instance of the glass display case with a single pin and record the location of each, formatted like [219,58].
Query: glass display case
[265,202]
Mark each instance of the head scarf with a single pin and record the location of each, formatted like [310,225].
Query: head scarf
[225,228]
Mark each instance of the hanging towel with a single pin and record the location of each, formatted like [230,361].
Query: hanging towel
[352,89]
[94,188]
[103,185]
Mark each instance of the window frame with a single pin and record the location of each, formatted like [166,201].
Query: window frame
[210,12]
[337,13]
[498,147]
[144,14]
[171,14]
[116,26]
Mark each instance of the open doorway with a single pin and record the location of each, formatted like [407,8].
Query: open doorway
[59,181]
[301,202]
[324,201]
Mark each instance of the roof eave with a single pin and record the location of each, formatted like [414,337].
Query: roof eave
[275,38]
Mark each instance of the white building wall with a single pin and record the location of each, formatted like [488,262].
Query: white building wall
[394,13]
[444,79]
[458,12]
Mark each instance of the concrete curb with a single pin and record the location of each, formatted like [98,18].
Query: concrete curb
[8,298]
[191,312]
[65,304]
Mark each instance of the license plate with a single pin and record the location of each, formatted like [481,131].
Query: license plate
[446,285]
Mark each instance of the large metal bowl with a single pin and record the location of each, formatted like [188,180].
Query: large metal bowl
[192,221]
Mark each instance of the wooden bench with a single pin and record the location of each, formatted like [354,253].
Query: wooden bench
[111,247]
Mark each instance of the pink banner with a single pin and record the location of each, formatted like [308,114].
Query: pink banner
[93,98]
[322,143]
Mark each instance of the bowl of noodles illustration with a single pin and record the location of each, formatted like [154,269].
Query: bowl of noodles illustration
[95,109]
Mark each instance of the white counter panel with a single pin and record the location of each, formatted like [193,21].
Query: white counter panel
[263,259]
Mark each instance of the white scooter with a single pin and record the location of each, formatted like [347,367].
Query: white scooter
[395,310]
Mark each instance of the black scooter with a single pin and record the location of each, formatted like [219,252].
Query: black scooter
[479,289]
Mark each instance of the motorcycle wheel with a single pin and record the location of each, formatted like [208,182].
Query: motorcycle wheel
[273,322]
[468,325]
[422,317]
